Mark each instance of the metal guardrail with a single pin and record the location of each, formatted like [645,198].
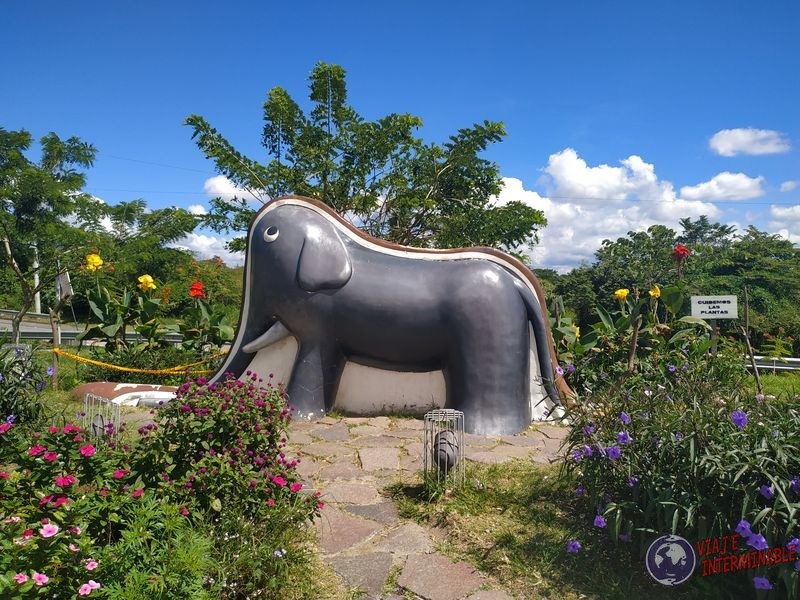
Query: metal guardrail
[70,338]
[770,363]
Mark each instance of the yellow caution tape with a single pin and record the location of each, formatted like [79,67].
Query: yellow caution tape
[170,371]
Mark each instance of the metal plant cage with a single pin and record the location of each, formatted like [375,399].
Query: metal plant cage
[101,417]
[443,448]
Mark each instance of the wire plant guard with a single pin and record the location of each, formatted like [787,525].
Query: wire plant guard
[101,417]
[443,447]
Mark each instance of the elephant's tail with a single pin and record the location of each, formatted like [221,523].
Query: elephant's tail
[541,336]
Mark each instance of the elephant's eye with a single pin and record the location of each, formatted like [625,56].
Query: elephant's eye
[271,234]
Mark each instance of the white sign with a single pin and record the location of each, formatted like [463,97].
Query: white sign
[715,307]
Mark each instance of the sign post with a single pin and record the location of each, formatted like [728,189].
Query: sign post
[712,308]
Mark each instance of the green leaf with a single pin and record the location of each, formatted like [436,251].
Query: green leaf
[216,504]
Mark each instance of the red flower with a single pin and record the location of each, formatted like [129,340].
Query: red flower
[4,475]
[5,427]
[680,252]
[61,500]
[52,429]
[119,473]
[36,449]
[137,493]
[49,456]
[65,481]
[197,290]
[46,500]
[279,481]
[296,487]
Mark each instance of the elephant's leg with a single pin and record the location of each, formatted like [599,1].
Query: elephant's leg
[312,386]
[488,378]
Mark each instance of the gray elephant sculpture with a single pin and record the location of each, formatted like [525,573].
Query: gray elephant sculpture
[347,296]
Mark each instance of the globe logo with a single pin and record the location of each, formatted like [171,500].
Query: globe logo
[670,560]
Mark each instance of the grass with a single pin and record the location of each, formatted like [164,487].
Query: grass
[512,521]
[782,385]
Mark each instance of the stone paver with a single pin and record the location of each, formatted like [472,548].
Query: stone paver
[373,459]
[436,577]
[409,538]
[340,470]
[339,530]
[333,433]
[327,449]
[487,457]
[369,580]
[382,512]
[490,595]
[351,492]
[362,430]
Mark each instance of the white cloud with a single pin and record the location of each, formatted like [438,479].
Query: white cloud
[725,186]
[747,140]
[209,246]
[788,186]
[197,209]
[588,204]
[789,213]
[221,186]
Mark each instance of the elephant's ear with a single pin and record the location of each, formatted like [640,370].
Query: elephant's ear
[324,261]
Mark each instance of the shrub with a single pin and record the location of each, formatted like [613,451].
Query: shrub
[21,383]
[684,450]
[153,359]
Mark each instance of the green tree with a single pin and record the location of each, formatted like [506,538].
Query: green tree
[376,173]
[35,198]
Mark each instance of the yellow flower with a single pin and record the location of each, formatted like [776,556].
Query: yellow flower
[93,262]
[655,292]
[146,283]
[621,294]
[577,332]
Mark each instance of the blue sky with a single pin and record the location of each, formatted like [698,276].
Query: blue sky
[619,114]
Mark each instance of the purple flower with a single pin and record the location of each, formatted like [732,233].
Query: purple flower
[625,537]
[685,367]
[739,418]
[760,397]
[570,368]
[11,418]
[40,386]
[599,521]
[588,429]
[757,541]
[797,566]
[632,480]
[623,416]
[767,491]
[672,368]
[624,438]
[795,485]
[743,528]
[678,436]
[577,456]
[793,544]
[559,370]
[580,491]
[50,371]
[573,546]
[613,452]
[762,583]
[587,450]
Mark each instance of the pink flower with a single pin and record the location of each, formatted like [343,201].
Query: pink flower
[46,500]
[13,519]
[65,481]
[120,473]
[91,564]
[35,450]
[74,548]
[27,534]
[87,450]
[47,531]
[20,578]
[61,500]
[279,481]
[137,493]
[296,487]
[52,429]
[70,428]
[87,588]
[271,502]
[4,475]
[40,578]
[5,427]
[50,456]
[76,530]
[185,511]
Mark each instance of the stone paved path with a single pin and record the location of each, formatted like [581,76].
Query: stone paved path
[350,460]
